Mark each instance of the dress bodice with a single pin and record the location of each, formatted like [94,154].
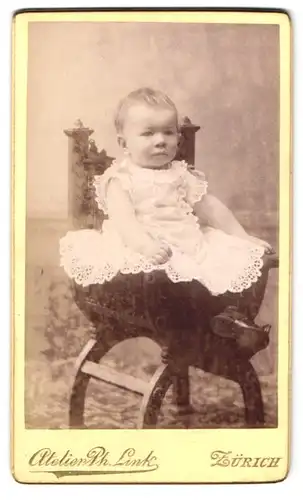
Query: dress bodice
[163,199]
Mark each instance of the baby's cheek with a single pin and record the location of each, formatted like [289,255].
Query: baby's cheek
[173,141]
[147,149]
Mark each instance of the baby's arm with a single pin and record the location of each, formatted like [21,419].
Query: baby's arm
[122,214]
[213,212]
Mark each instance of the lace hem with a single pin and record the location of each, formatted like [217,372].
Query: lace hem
[250,274]
[88,274]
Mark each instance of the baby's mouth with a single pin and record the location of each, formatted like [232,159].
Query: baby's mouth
[160,153]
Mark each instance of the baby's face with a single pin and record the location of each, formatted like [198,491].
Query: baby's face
[151,135]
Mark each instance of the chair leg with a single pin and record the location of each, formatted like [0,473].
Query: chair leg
[93,351]
[152,400]
[246,376]
[77,400]
[181,392]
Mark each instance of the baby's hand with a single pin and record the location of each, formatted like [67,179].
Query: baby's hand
[156,251]
[162,255]
[261,243]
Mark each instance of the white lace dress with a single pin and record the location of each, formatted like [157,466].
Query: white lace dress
[163,201]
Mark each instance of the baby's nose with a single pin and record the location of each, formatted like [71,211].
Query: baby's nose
[159,139]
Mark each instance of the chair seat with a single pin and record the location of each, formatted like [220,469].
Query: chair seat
[175,315]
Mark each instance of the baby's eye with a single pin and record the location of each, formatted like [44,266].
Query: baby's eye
[147,133]
[169,132]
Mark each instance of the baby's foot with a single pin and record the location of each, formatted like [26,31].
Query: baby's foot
[269,250]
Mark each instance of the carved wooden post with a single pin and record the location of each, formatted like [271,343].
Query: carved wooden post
[84,162]
[78,144]
[187,144]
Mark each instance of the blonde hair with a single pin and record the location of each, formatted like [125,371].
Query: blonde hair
[143,95]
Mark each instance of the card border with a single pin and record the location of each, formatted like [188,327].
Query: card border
[21,437]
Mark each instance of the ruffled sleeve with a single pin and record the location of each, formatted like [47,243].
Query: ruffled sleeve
[101,182]
[195,185]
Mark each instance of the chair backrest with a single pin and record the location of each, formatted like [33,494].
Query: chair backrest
[85,161]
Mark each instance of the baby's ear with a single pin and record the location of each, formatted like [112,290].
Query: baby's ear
[121,141]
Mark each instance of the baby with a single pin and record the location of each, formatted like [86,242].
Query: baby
[159,213]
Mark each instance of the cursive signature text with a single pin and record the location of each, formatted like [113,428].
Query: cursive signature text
[99,458]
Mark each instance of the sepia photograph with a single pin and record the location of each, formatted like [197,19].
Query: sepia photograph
[152,225]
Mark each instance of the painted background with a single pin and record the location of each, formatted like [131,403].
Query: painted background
[224,77]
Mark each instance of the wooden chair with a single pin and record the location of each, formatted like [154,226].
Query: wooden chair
[175,316]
